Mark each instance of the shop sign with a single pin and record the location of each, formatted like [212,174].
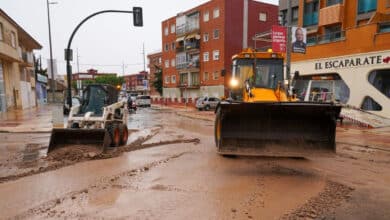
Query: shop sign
[352,62]
[41,78]
[279,39]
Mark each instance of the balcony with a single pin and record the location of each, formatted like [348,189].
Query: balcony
[326,38]
[331,15]
[192,45]
[191,64]
[186,29]
[310,19]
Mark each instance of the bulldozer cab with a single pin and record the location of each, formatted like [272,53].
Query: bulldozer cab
[258,72]
[96,97]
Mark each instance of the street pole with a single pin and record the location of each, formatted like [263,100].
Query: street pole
[137,20]
[52,85]
[143,55]
[288,48]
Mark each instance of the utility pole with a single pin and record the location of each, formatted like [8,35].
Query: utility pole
[288,48]
[123,68]
[52,85]
[143,55]
[78,65]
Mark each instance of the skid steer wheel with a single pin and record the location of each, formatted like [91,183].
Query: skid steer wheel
[124,134]
[114,132]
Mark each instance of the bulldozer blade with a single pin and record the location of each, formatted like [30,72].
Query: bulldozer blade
[282,129]
[73,136]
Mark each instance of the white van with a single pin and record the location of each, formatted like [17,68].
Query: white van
[143,101]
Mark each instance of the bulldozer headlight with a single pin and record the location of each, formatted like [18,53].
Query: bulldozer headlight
[233,82]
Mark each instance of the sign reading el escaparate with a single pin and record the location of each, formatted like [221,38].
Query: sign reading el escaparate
[352,62]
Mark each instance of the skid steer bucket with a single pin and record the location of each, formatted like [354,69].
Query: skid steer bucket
[67,137]
[285,129]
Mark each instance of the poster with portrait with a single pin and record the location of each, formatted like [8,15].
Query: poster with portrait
[298,40]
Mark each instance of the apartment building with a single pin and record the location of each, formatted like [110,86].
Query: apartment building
[197,45]
[137,83]
[17,76]
[348,51]
[154,65]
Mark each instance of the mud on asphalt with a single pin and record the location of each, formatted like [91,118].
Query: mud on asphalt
[70,155]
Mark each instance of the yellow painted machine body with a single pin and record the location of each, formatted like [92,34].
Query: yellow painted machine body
[261,118]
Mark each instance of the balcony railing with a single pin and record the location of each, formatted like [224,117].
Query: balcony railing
[192,45]
[310,19]
[188,65]
[326,38]
[187,28]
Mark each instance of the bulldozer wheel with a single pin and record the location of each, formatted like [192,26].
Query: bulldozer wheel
[114,132]
[217,129]
[124,134]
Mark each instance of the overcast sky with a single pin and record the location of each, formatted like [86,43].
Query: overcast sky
[104,42]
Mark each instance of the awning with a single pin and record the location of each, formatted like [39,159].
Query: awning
[179,39]
[196,36]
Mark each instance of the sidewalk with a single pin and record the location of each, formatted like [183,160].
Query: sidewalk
[38,119]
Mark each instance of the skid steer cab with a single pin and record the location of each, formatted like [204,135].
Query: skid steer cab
[100,121]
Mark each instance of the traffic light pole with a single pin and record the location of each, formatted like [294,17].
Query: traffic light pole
[288,48]
[138,21]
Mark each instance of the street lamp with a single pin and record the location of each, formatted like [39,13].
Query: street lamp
[52,86]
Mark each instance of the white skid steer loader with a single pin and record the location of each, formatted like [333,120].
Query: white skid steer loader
[101,121]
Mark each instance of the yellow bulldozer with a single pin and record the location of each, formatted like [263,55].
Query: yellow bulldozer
[262,117]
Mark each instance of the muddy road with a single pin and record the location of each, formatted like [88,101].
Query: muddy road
[169,170]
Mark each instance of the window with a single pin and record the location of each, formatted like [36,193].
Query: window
[166,31]
[183,78]
[294,14]
[205,56]
[384,27]
[216,55]
[166,63]
[205,76]
[173,28]
[216,13]
[173,63]
[215,75]
[332,33]
[166,47]
[13,39]
[166,79]
[173,46]
[1,32]
[173,79]
[195,79]
[370,104]
[333,2]
[365,6]
[159,60]
[263,16]
[380,79]
[310,16]
[206,16]
[206,37]
[216,34]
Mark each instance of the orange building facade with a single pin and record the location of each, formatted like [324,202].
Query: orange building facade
[347,51]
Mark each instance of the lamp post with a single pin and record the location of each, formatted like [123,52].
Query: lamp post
[52,85]
[137,21]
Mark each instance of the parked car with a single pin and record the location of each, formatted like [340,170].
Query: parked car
[207,103]
[75,101]
[143,101]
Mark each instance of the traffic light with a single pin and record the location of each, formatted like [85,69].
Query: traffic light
[137,17]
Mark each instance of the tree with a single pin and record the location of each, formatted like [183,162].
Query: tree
[158,83]
[110,79]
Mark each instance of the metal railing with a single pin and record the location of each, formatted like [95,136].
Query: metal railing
[326,38]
